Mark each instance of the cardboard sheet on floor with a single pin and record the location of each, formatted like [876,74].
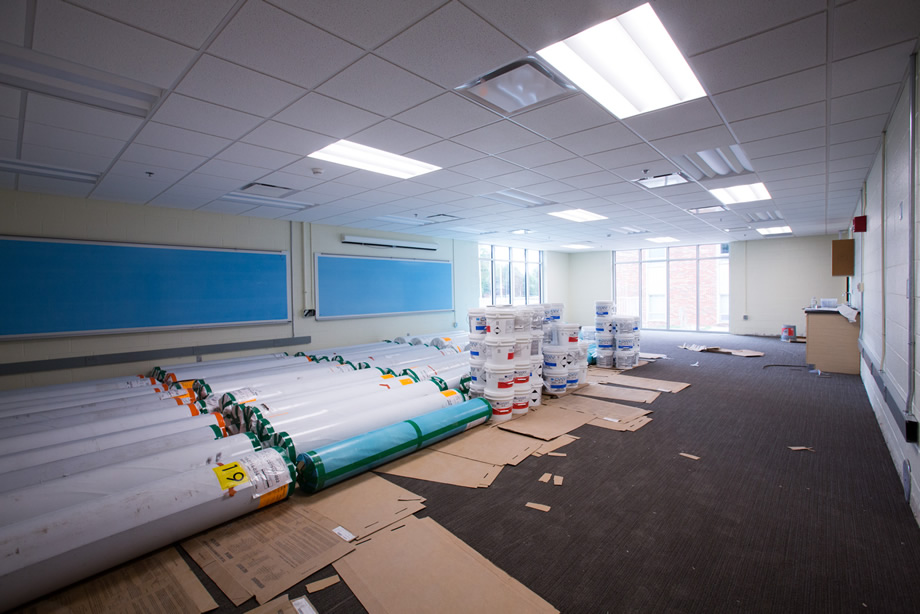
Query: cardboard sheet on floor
[265,553]
[602,409]
[160,583]
[718,350]
[491,445]
[417,566]
[650,356]
[617,393]
[614,425]
[547,423]
[281,605]
[435,466]
[646,383]
[363,504]
[550,446]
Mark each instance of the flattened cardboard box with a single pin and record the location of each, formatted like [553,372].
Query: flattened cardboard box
[161,583]
[265,553]
[612,424]
[602,409]
[620,394]
[647,383]
[417,566]
[548,423]
[363,504]
[548,447]
[489,445]
[435,466]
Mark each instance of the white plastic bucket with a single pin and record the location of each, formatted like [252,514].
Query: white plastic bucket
[502,404]
[477,347]
[522,376]
[478,323]
[604,308]
[626,343]
[500,322]
[587,333]
[553,311]
[604,324]
[522,319]
[522,345]
[520,403]
[536,367]
[499,351]
[499,378]
[537,315]
[604,341]
[554,356]
[572,381]
[605,358]
[555,380]
[627,359]
[536,392]
[477,375]
[536,343]
[566,334]
[476,391]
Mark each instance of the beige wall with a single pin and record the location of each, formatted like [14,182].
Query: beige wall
[771,280]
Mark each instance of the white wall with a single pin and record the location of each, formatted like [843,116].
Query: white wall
[46,216]
[590,279]
[556,277]
[771,280]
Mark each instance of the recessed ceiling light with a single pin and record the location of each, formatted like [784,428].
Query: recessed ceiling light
[576,246]
[521,231]
[730,160]
[775,230]
[630,230]
[264,201]
[405,221]
[371,159]
[578,215]
[741,193]
[629,64]
[702,210]
[661,181]
[663,240]
[45,170]
[518,198]
[517,87]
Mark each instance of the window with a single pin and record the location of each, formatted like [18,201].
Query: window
[676,288]
[510,276]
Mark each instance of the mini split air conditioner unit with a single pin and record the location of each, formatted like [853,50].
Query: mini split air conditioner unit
[378,242]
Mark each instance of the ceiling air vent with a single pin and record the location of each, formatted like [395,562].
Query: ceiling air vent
[266,189]
[761,216]
[519,86]
[719,162]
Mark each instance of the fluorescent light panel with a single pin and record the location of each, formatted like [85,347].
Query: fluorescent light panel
[775,230]
[741,193]
[374,160]
[518,198]
[629,64]
[264,201]
[576,246]
[406,221]
[663,240]
[44,170]
[578,215]
[704,210]
[662,181]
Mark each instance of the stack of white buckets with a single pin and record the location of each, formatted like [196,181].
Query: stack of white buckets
[502,342]
[565,358]
[617,337]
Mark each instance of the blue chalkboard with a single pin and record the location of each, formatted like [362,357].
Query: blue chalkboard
[356,287]
[56,288]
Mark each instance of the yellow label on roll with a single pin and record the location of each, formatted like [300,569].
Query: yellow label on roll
[231,475]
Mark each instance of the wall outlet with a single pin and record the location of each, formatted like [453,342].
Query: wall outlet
[745,316]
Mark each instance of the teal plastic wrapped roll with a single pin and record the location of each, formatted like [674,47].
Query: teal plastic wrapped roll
[331,464]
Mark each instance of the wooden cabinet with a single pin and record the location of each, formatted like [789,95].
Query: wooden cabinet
[831,342]
[843,257]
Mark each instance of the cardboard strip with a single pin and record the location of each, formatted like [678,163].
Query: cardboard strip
[612,424]
[620,394]
[548,423]
[319,585]
[555,444]
[435,466]
[538,506]
[557,480]
[800,448]
[646,383]
[690,456]
[556,454]
[545,477]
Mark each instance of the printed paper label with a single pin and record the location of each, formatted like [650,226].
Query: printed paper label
[343,533]
[267,471]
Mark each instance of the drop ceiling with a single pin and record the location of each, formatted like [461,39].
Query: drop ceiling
[239,92]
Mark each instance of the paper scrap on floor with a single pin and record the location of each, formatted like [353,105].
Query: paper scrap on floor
[363,504]
[537,506]
[319,585]
[488,444]
[557,480]
[272,551]
[386,571]
[283,605]
[435,466]
[690,456]
[545,477]
[718,350]
[800,448]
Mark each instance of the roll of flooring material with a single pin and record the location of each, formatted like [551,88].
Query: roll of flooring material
[324,428]
[202,372]
[147,419]
[47,454]
[100,385]
[160,372]
[85,398]
[320,372]
[45,471]
[328,465]
[88,413]
[42,498]
[53,550]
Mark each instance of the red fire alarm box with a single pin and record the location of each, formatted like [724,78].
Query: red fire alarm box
[859,223]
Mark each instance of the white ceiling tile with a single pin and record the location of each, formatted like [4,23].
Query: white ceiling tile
[212,182]
[519,179]
[144,154]
[802,170]
[327,116]
[547,188]
[9,101]
[854,148]
[650,168]
[186,196]
[185,22]
[793,90]
[787,160]
[487,167]
[857,129]
[447,115]
[364,23]
[184,112]
[13,24]
[774,53]
[781,122]
[146,173]
[614,190]
[537,154]
[7,180]
[283,137]
[678,119]
[844,164]
[700,140]
[48,185]
[367,179]
[572,114]
[451,46]
[64,158]
[253,155]
[445,154]
[498,138]
[9,130]
[407,188]
[290,180]
[266,212]
[231,170]
[394,89]
[441,179]
[394,137]
[7,148]
[595,140]
[443,196]
[870,70]
[624,156]
[225,206]
[797,182]
[269,40]
[329,191]
[214,80]
[59,138]
[327,170]
[180,139]
[878,101]
[61,30]
[568,168]
[834,179]
[807,139]
[125,188]
[592,180]
[857,30]
[82,118]
[478,188]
